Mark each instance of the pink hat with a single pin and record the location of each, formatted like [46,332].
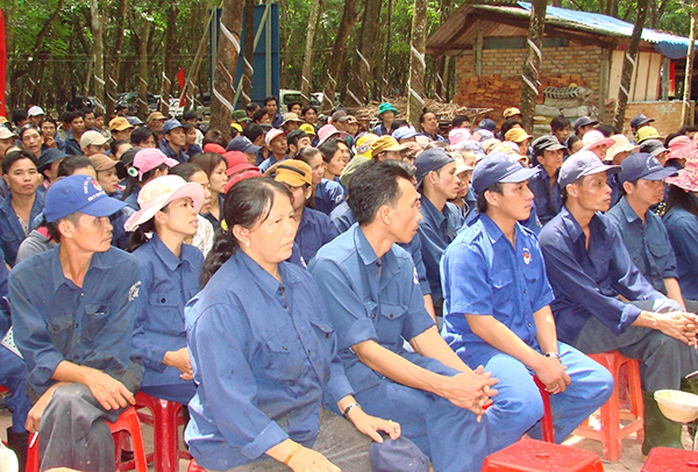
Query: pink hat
[594,139]
[272,134]
[688,176]
[325,133]
[248,174]
[457,135]
[148,159]
[158,193]
[214,148]
[681,147]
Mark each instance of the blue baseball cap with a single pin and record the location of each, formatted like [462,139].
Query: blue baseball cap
[430,160]
[399,455]
[49,156]
[487,124]
[642,165]
[497,167]
[581,164]
[242,144]
[404,132]
[170,125]
[78,193]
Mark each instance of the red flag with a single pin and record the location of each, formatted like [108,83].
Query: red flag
[3,63]
[180,78]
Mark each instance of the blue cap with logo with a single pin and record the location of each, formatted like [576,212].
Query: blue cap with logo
[78,193]
[642,165]
[580,165]
[497,167]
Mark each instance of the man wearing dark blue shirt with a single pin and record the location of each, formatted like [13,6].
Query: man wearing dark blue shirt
[173,141]
[546,191]
[76,120]
[590,270]
[74,309]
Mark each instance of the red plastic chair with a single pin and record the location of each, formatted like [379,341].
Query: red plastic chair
[194,467]
[3,390]
[546,423]
[126,423]
[667,459]
[165,417]
[612,432]
[529,455]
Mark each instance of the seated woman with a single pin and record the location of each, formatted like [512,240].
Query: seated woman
[264,355]
[170,273]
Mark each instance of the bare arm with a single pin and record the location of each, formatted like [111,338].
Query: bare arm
[431,344]
[109,392]
[429,306]
[681,326]
[673,291]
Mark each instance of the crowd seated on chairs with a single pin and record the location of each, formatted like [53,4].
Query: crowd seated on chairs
[373,296]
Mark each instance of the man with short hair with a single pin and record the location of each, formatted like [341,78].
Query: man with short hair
[19,117]
[36,114]
[73,310]
[546,191]
[120,129]
[560,128]
[155,122]
[371,290]
[76,122]
[297,140]
[583,125]
[99,124]
[89,117]
[173,140]
[497,313]
[639,121]
[271,106]
[261,117]
[277,146]
[602,301]
[92,142]
[460,121]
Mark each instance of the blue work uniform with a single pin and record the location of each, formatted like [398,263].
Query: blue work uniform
[270,161]
[380,130]
[120,236]
[328,195]
[343,218]
[436,230]
[682,227]
[379,300]
[616,187]
[179,156]
[193,150]
[483,274]
[314,231]
[648,243]
[264,356]
[11,232]
[548,199]
[168,282]
[132,200]
[531,223]
[72,146]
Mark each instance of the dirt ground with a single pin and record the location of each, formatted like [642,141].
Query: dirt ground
[631,459]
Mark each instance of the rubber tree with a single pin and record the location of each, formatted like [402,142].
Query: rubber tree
[690,56]
[415,82]
[534,56]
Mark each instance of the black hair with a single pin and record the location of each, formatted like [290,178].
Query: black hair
[216,137]
[571,141]
[307,108]
[252,131]
[290,104]
[74,115]
[458,121]
[114,147]
[669,137]
[376,185]
[509,124]
[684,130]
[270,98]
[19,115]
[87,111]
[70,164]
[247,203]
[682,199]
[48,119]
[259,114]
[133,182]
[141,134]
[52,227]
[26,128]
[328,149]
[398,124]
[97,112]
[295,136]
[138,236]
[252,107]
[185,170]
[481,203]
[606,130]
[14,156]
[190,115]
[306,154]
[425,112]
[208,161]
[187,126]
[559,123]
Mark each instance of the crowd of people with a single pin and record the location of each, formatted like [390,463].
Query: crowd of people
[327,295]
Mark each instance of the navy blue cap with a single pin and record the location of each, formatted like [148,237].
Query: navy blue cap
[429,160]
[487,124]
[497,167]
[547,142]
[399,455]
[581,164]
[170,125]
[639,120]
[242,144]
[49,156]
[134,121]
[78,193]
[642,165]
[583,121]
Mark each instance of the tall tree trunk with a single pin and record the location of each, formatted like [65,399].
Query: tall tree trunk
[529,77]
[226,63]
[248,51]
[366,50]
[168,70]
[441,77]
[386,63]
[284,40]
[340,44]
[140,28]
[686,117]
[415,83]
[113,81]
[307,73]
[629,66]
[38,44]
[97,53]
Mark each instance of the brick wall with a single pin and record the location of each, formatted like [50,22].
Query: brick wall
[667,115]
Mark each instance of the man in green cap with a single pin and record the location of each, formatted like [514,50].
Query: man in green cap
[387,114]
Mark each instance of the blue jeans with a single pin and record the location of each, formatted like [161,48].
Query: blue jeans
[13,375]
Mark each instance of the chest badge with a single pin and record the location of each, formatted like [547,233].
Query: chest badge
[526,256]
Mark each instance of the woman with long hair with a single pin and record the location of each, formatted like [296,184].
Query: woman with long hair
[203,239]
[148,164]
[215,167]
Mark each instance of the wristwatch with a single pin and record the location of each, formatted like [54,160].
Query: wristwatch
[350,407]
[553,355]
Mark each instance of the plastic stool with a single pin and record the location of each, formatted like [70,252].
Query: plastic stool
[546,423]
[194,467]
[127,422]
[612,432]
[667,459]
[529,455]
[165,418]
[3,390]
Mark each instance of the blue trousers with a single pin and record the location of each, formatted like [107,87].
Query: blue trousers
[518,407]
[13,375]
[178,393]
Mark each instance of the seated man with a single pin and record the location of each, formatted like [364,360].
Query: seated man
[371,290]
[497,313]
[73,310]
[546,191]
[590,270]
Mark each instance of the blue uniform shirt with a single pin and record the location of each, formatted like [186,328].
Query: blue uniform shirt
[55,320]
[11,232]
[132,199]
[167,284]
[314,230]
[72,146]
[270,161]
[369,299]
[587,283]
[328,195]
[193,150]
[532,223]
[483,274]
[648,243]
[548,201]
[167,150]
[263,355]
[436,231]
[682,227]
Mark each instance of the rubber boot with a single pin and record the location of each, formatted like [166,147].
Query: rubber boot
[18,442]
[691,386]
[659,430]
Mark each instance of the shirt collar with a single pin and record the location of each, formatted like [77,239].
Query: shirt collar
[575,230]
[165,254]
[433,212]
[627,211]
[264,279]
[363,247]
[99,261]
[491,229]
